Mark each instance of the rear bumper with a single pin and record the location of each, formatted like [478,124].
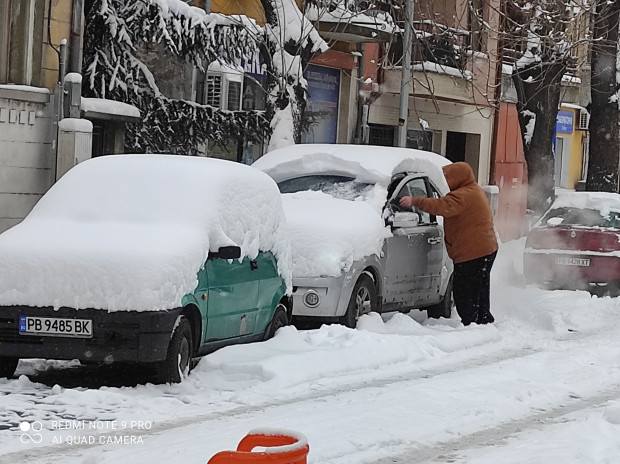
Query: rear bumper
[117,336]
[543,268]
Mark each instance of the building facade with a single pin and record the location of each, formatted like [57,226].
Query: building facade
[31,32]
[40,85]
[451,105]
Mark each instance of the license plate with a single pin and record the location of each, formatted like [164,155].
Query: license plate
[573,261]
[55,327]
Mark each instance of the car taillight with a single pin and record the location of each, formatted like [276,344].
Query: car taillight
[600,241]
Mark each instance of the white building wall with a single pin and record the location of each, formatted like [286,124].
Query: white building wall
[442,117]
[26,154]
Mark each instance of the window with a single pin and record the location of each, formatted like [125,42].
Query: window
[20,41]
[234,96]
[417,188]
[5,22]
[477,19]
[221,88]
[422,140]
[383,136]
[572,216]
[214,90]
[342,187]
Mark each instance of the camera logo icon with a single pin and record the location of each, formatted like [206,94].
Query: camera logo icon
[30,432]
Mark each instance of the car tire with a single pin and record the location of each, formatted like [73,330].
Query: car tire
[178,361]
[8,366]
[363,301]
[444,307]
[279,320]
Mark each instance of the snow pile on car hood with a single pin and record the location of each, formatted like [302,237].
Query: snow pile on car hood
[328,235]
[130,232]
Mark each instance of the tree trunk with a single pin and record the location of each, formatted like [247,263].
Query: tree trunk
[279,94]
[604,133]
[538,88]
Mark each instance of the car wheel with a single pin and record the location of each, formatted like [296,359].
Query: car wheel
[8,366]
[444,307]
[177,364]
[279,320]
[363,301]
[613,289]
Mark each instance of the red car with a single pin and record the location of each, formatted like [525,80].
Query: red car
[576,244]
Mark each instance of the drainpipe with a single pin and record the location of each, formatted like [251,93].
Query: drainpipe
[75,43]
[359,133]
[59,99]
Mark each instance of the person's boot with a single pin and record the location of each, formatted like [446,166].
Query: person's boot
[486,318]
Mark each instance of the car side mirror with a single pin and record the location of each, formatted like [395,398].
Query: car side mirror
[405,219]
[226,252]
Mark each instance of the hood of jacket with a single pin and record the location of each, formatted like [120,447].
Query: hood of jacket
[458,175]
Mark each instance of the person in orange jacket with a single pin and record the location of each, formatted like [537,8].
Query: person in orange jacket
[470,240]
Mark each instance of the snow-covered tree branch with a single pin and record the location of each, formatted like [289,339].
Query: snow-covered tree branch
[119,34]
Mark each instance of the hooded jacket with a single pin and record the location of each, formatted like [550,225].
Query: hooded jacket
[468,221]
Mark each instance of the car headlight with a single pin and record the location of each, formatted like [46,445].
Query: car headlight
[312,299]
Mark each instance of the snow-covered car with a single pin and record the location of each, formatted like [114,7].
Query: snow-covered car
[576,243]
[353,250]
[145,258]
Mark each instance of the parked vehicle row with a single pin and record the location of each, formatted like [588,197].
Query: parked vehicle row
[159,259]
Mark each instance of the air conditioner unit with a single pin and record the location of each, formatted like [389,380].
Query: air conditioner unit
[584,120]
[223,87]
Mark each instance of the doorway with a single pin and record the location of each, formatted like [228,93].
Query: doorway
[463,146]
[562,162]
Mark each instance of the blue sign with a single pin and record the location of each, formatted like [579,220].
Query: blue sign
[564,122]
[255,66]
[323,95]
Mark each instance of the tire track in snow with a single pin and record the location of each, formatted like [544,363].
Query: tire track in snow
[54,452]
[448,451]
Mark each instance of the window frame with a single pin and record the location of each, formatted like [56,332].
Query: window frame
[431,192]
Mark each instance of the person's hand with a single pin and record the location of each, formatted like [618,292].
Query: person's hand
[406,202]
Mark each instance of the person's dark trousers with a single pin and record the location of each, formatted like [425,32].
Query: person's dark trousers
[472,288]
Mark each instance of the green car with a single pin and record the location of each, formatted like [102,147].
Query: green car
[145,259]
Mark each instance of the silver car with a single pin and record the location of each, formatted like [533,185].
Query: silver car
[354,249]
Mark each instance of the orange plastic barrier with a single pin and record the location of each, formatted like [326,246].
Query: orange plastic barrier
[281,447]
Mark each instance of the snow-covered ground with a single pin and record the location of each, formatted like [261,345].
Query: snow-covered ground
[541,385]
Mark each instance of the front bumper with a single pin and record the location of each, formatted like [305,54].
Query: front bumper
[117,336]
[327,289]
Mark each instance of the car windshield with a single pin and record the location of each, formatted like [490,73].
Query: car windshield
[342,187]
[568,216]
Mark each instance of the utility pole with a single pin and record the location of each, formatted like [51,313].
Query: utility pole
[406,75]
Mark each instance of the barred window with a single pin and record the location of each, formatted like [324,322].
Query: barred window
[234,96]
[214,90]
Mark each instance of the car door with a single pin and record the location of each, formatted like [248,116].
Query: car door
[232,298]
[271,288]
[412,256]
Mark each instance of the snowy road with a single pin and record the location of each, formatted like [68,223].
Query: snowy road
[541,385]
